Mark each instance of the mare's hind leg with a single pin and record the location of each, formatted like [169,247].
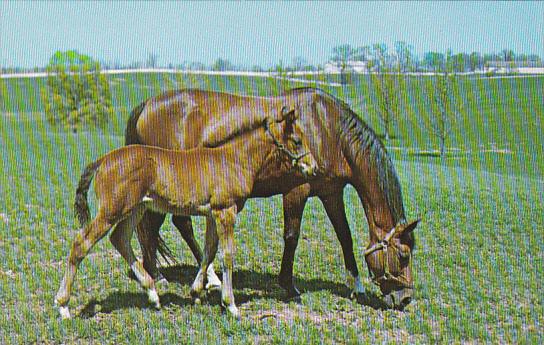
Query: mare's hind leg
[148,234]
[293,207]
[120,238]
[83,242]
[335,208]
[185,227]
[210,250]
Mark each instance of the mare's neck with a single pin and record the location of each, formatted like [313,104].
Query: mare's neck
[379,213]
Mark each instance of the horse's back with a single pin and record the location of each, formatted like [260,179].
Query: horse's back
[190,118]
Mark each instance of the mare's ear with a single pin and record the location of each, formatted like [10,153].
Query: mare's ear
[406,229]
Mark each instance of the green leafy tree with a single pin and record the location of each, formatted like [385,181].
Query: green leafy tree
[76,94]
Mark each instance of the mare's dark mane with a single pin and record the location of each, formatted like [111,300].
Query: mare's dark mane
[360,141]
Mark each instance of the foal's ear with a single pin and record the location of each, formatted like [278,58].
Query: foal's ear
[408,228]
[288,115]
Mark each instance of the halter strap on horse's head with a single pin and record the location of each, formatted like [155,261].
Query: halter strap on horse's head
[383,245]
[293,156]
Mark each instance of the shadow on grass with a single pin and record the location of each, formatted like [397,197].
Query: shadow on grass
[262,285]
[265,285]
[128,300]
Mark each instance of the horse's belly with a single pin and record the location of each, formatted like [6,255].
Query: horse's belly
[161,205]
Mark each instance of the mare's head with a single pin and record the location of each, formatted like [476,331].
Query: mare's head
[389,262]
[291,142]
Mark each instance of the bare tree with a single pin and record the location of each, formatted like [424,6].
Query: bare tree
[152,60]
[404,55]
[388,85]
[441,90]
[342,55]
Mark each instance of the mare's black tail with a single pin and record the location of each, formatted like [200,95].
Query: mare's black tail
[131,138]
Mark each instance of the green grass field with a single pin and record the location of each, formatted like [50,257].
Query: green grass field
[478,264]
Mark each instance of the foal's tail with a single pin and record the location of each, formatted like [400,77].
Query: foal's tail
[81,204]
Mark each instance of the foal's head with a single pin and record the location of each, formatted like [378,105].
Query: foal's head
[388,262]
[292,144]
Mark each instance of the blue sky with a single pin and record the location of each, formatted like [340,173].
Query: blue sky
[259,33]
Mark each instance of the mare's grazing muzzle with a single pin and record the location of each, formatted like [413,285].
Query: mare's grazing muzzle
[388,262]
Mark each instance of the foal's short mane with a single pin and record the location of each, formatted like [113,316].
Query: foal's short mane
[359,142]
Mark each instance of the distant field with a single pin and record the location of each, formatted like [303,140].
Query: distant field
[478,265]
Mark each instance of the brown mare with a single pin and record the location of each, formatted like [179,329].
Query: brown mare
[210,182]
[347,151]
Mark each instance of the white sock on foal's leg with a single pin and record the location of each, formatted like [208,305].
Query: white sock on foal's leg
[147,283]
[214,283]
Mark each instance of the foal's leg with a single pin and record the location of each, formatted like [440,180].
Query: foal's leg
[293,207]
[83,242]
[120,238]
[210,250]
[335,208]
[185,227]
[225,220]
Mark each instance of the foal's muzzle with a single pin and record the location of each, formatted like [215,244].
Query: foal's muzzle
[306,169]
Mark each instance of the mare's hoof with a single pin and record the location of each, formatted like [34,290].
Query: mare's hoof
[293,295]
[293,298]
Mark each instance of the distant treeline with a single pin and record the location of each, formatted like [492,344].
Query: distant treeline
[401,55]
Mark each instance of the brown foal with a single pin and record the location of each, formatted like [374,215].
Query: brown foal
[210,182]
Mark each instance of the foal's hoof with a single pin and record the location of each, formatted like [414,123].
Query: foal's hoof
[233,311]
[197,297]
[214,283]
[64,312]
[153,297]
[354,295]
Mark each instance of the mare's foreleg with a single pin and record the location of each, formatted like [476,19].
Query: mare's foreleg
[120,238]
[83,242]
[293,208]
[185,227]
[210,250]
[335,208]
